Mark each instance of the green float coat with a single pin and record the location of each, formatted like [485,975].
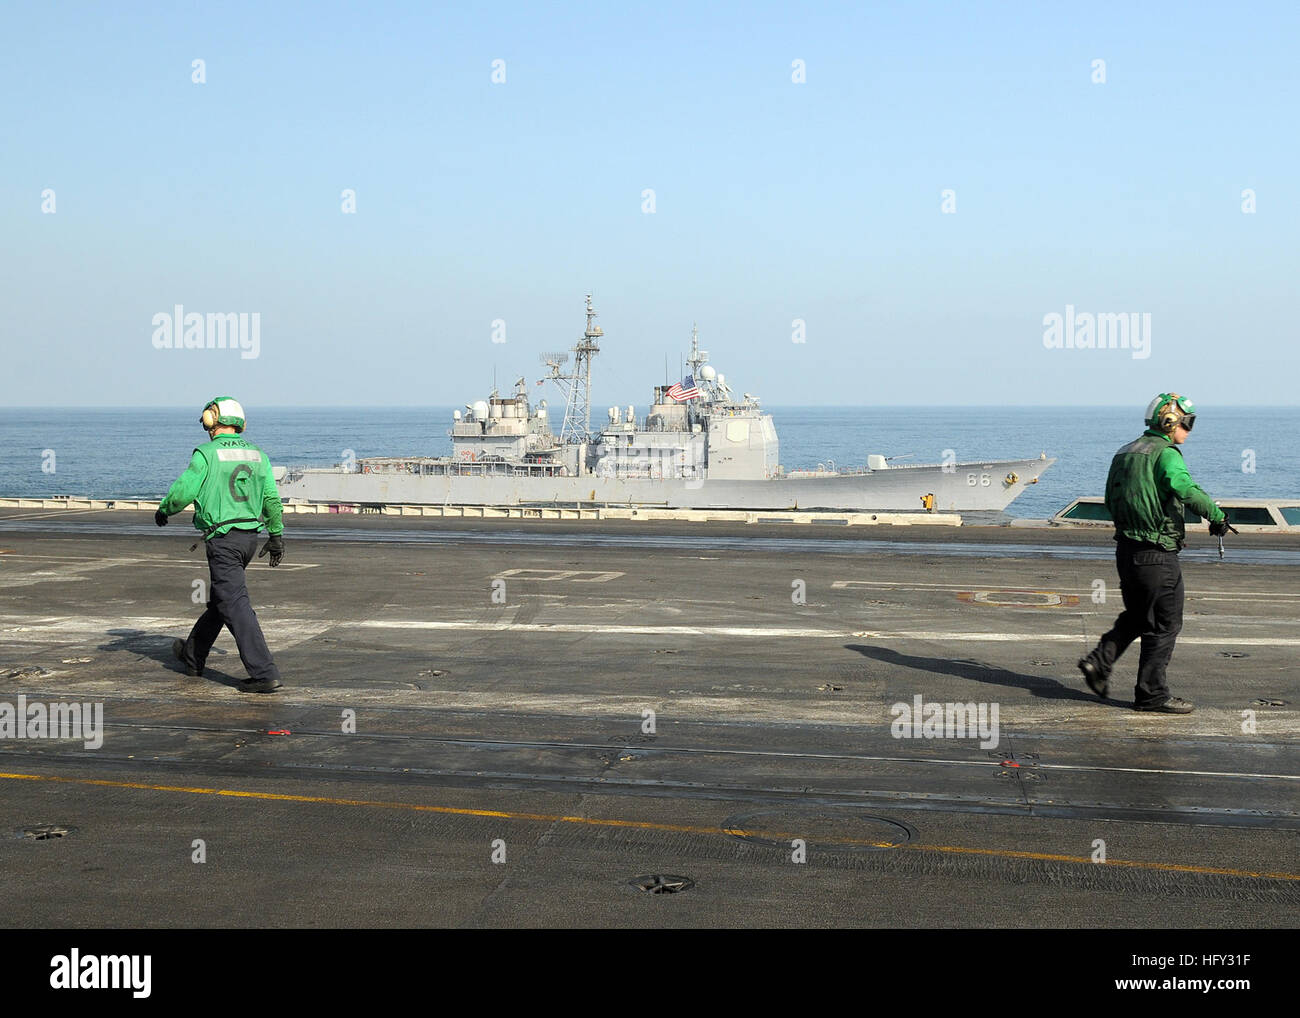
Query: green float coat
[1146,490]
[227,479]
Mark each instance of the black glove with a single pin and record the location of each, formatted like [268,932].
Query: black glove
[160,518]
[275,545]
[1221,528]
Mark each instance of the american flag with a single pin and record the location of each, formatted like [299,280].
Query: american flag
[684,390]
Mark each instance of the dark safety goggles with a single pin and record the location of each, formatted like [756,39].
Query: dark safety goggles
[1187,421]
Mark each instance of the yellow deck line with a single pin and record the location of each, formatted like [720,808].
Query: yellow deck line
[649,826]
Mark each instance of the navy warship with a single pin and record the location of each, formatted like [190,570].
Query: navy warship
[698,446]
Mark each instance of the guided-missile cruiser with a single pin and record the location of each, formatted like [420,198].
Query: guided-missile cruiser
[698,446]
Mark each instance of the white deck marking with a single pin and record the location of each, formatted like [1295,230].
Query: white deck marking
[307,628]
[1209,641]
[575,575]
[28,629]
[474,625]
[1112,582]
[1167,770]
[60,512]
[197,561]
[69,571]
[568,627]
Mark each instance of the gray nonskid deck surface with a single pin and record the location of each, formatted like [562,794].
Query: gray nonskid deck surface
[499,679]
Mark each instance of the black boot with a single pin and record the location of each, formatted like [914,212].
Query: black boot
[178,649]
[1092,675]
[259,685]
[1174,705]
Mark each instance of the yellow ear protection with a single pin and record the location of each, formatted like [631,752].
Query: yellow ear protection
[1169,415]
[223,410]
[1168,410]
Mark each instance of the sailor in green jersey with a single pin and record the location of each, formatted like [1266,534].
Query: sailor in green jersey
[230,482]
[1146,491]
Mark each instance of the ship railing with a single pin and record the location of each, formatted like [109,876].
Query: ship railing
[823,470]
[458,467]
[746,410]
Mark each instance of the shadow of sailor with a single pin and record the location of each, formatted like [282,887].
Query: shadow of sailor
[158,648]
[976,671]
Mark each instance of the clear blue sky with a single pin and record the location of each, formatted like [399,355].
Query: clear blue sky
[479,201]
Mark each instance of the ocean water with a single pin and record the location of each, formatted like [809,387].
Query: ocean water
[1234,452]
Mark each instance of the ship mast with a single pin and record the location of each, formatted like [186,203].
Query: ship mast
[696,360]
[697,356]
[576,385]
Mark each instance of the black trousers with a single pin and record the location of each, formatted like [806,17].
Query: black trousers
[1151,581]
[228,606]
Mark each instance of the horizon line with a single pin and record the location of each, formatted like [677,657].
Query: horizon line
[797,406]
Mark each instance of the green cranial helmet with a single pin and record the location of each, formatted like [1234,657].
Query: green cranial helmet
[1168,410]
[223,410]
